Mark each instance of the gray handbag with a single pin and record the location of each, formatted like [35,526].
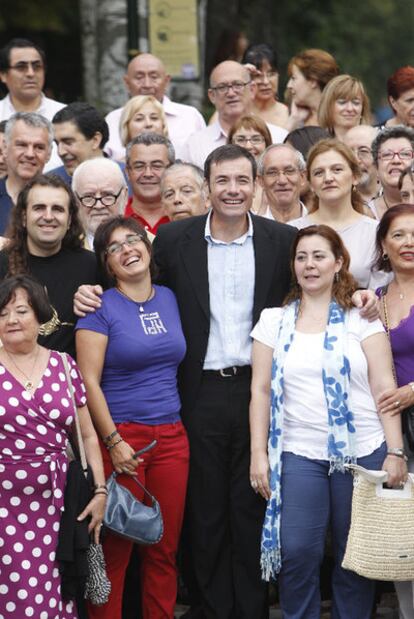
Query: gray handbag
[128,517]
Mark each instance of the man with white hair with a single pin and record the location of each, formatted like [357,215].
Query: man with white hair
[359,139]
[231,92]
[28,142]
[182,191]
[146,75]
[101,192]
[281,170]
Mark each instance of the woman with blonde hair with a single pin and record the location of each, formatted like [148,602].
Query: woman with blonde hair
[344,105]
[333,174]
[142,113]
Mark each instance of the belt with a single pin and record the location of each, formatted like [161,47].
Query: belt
[230,372]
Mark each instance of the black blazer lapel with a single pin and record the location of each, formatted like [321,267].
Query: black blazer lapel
[193,253]
[265,254]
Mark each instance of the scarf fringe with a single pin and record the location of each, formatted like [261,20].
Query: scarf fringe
[271,564]
[339,464]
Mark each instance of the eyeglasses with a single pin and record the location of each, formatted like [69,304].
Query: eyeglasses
[130,241]
[403,155]
[274,172]
[223,89]
[108,199]
[260,77]
[242,140]
[363,152]
[23,66]
[154,166]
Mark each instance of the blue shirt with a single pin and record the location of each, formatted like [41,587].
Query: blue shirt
[231,277]
[144,349]
[6,205]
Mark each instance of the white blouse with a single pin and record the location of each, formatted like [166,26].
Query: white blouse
[305,429]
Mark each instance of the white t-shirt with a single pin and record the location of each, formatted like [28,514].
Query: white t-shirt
[305,428]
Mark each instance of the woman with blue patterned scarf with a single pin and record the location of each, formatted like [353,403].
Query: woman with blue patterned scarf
[318,371]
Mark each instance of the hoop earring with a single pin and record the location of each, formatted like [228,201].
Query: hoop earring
[385,256]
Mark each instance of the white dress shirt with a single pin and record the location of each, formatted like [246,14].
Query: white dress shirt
[202,143]
[231,277]
[47,108]
[182,120]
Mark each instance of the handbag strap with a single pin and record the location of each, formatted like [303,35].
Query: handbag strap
[79,439]
[149,495]
[387,328]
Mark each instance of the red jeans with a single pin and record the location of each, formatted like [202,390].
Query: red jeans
[164,473]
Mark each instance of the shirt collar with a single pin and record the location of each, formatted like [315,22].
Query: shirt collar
[12,109]
[211,240]
[218,131]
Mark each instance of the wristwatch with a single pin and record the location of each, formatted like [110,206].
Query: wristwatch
[397,451]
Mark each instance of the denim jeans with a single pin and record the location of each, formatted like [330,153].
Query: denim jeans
[312,500]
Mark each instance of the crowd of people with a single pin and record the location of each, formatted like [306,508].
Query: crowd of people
[216,284]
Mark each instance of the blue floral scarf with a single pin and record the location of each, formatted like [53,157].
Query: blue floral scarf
[341,436]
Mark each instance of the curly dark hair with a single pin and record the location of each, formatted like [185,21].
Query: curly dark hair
[103,234]
[17,250]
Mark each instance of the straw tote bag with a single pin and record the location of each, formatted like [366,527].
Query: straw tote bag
[381,538]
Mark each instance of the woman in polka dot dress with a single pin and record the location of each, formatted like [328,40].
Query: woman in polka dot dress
[36,413]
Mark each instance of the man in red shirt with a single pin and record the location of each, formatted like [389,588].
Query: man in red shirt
[147,156]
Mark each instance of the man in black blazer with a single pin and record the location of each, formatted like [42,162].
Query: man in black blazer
[224,269]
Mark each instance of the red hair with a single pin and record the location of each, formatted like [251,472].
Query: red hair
[400,81]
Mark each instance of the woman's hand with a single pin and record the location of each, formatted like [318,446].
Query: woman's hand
[299,114]
[394,401]
[396,468]
[96,510]
[259,474]
[122,456]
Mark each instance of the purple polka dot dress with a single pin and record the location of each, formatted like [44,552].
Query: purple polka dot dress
[33,467]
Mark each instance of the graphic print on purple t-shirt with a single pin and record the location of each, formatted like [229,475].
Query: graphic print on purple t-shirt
[144,349]
[152,323]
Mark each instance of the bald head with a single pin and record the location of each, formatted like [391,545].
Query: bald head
[229,67]
[364,133]
[146,75]
[231,92]
[99,178]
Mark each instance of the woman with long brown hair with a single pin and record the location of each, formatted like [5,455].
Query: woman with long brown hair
[333,175]
[319,370]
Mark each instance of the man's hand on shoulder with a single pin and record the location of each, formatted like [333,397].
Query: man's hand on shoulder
[87,299]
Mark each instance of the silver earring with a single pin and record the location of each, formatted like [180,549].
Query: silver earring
[336,277]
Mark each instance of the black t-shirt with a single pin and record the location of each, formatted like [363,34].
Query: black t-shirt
[61,274]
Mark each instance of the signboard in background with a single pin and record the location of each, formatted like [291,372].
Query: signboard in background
[173,35]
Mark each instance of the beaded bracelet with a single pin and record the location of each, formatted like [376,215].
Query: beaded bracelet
[109,447]
[108,438]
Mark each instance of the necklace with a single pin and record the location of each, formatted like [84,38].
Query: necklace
[28,385]
[141,303]
[400,293]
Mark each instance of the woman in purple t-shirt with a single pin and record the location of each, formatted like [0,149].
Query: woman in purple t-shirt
[395,253]
[129,351]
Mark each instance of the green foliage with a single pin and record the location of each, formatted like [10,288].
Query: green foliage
[58,16]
